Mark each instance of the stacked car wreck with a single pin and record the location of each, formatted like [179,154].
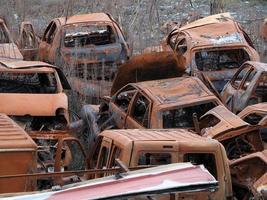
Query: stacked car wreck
[172,106]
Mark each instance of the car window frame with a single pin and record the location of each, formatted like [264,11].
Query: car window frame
[236,75]
[130,111]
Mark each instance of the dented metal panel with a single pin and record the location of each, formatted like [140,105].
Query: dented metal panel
[18,155]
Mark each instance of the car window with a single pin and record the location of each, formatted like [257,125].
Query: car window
[254,118]
[239,76]
[80,35]
[209,121]
[181,46]
[116,152]
[35,83]
[140,110]
[248,79]
[182,117]
[206,159]
[124,97]
[220,59]
[50,32]
[146,158]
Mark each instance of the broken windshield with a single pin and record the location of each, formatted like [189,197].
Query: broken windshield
[183,117]
[88,34]
[220,59]
[36,83]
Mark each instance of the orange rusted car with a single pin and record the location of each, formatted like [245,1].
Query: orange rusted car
[166,103]
[256,115]
[215,45]
[90,46]
[160,147]
[249,176]
[8,49]
[237,136]
[18,155]
[247,87]
[33,94]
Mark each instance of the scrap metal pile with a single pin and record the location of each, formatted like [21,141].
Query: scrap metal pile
[198,99]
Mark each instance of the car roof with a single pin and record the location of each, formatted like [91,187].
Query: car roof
[178,135]
[91,17]
[175,90]
[21,64]
[220,30]
[258,65]
[13,137]
[260,107]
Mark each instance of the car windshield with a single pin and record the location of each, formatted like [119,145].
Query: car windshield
[220,59]
[183,117]
[88,34]
[35,83]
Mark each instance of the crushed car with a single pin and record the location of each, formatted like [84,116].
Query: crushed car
[23,154]
[28,41]
[160,147]
[32,93]
[256,115]
[90,46]
[248,86]
[249,176]
[8,48]
[237,136]
[215,46]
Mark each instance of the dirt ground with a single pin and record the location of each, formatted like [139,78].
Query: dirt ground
[142,20]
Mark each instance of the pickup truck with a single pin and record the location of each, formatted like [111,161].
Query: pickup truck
[159,147]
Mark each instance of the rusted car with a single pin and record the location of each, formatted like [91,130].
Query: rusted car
[23,154]
[160,147]
[28,41]
[166,103]
[18,155]
[237,136]
[256,115]
[247,87]
[58,151]
[8,49]
[215,45]
[249,176]
[90,46]
[32,93]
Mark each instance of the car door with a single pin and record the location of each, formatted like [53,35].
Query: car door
[47,43]
[138,116]
[230,93]
[104,155]
[245,95]
[120,103]
[28,42]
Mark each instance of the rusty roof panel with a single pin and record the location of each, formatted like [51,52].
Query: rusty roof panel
[13,137]
[91,17]
[174,90]
[181,135]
